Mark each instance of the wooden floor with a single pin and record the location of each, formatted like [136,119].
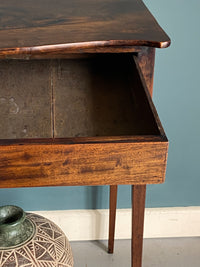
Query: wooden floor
[173,252]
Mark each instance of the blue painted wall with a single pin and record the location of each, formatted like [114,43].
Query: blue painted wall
[177,98]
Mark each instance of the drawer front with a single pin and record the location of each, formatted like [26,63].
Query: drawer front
[80,164]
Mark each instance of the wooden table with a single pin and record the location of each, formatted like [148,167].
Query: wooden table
[75,99]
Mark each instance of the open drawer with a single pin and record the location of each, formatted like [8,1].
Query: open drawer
[80,121]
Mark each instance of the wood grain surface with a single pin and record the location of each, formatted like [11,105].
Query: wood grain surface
[33,165]
[138,208]
[112,217]
[146,60]
[45,26]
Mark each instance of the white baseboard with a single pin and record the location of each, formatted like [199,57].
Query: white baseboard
[159,222]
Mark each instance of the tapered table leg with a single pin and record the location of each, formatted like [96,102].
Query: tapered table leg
[138,207]
[112,216]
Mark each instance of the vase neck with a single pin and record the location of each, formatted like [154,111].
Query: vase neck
[15,228]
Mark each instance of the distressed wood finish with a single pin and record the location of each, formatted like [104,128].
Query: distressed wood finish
[25,99]
[27,27]
[70,53]
[82,164]
[112,131]
[146,59]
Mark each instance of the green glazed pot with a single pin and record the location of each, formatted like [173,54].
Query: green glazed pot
[29,240]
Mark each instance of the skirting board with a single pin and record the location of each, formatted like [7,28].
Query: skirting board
[159,222]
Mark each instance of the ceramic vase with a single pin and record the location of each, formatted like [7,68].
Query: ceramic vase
[28,240]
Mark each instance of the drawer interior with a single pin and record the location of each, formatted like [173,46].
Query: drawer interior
[99,95]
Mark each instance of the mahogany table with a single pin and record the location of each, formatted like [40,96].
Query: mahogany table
[76,79]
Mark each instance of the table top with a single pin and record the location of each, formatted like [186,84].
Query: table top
[28,26]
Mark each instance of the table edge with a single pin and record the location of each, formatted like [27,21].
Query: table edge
[81,47]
